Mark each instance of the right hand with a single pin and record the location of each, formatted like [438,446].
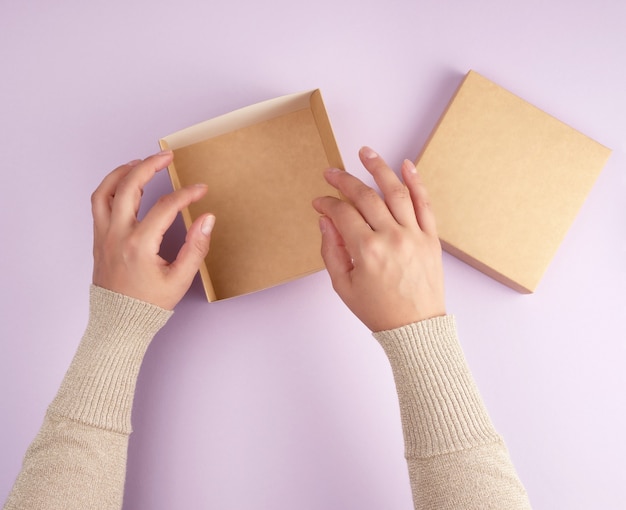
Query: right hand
[383,255]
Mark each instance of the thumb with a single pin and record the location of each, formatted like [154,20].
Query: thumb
[195,249]
[336,258]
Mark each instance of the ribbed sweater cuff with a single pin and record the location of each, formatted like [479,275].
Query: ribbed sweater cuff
[441,408]
[99,386]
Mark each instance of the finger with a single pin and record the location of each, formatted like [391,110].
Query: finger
[101,198]
[348,222]
[365,200]
[194,250]
[419,196]
[129,190]
[161,216]
[336,257]
[395,193]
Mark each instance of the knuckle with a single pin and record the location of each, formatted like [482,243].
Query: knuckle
[166,201]
[376,249]
[396,238]
[337,286]
[398,192]
[422,198]
[372,249]
[366,194]
[422,203]
[95,196]
[124,186]
[200,245]
[129,187]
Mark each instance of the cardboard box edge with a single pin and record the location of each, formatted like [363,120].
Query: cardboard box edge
[485,269]
[204,271]
[440,120]
[325,129]
[264,110]
[251,114]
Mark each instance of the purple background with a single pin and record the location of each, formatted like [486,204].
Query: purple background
[281,399]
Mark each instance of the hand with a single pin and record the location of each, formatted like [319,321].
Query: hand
[126,251]
[382,254]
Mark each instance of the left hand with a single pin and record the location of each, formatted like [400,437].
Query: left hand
[126,251]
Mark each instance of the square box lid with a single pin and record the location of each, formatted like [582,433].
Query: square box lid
[506,181]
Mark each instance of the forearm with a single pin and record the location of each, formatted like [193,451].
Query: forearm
[78,459]
[481,477]
[456,459]
[70,466]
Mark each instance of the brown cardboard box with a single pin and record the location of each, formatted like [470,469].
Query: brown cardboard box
[506,181]
[264,165]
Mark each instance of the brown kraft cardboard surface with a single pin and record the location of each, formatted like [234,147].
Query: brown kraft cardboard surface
[263,165]
[506,181]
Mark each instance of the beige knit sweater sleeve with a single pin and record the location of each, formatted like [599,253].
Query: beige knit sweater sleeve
[455,457]
[78,459]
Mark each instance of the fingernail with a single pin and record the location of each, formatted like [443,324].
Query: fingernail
[207,225]
[322,224]
[134,162]
[368,153]
[410,166]
[333,170]
[165,153]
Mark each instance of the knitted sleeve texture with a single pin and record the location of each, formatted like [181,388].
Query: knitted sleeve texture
[78,459]
[456,459]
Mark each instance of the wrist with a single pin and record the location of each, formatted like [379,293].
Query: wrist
[99,386]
